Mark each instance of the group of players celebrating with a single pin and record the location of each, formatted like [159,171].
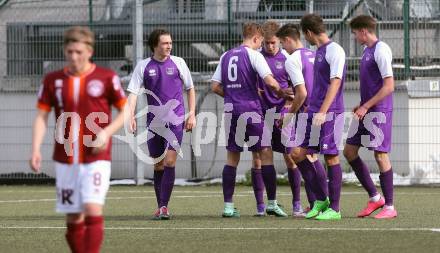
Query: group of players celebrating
[270,77]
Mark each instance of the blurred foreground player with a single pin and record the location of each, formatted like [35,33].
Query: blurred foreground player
[82,95]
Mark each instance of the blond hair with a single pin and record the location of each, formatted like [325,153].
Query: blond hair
[79,34]
[270,28]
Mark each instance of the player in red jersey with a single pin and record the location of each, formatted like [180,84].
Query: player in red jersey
[82,95]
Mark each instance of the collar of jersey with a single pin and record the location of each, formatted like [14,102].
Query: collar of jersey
[85,73]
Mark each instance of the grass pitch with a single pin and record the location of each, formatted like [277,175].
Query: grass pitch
[28,223]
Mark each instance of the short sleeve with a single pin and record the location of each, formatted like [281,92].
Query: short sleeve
[383,57]
[258,63]
[335,56]
[217,77]
[294,68]
[185,73]
[137,80]
[45,96]
[117,93]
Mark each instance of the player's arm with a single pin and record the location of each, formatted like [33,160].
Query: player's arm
[185,75]
[294,70]
[191,120]
[136,82]
[383,58]
[38,131]
[336,60]
[217,88]
[386,90]
[260,65]
[335,84]
[216,80]
[299,98]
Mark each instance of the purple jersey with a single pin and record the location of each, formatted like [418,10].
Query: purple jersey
[375,66]
[238,73]
[329,64]
[277,66]
[299,66]
[163,80]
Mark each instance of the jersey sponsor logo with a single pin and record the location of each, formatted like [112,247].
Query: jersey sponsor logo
[308,53]
[95,88]
[152,72]
[170,71]
[278,65]
[234,86]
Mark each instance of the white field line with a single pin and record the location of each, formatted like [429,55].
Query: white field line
[209,192]
[238,228]
[218,194]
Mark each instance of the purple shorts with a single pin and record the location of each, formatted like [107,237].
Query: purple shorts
[241,132]
[161,139]
[376,127]
[280,136]
[324,139]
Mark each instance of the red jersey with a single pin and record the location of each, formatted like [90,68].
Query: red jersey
[82,106]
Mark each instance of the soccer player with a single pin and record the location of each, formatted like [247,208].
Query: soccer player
[235,79]
[164,77]
[377,86]
[299,67]
[325,113]
[82,95]
[276,58]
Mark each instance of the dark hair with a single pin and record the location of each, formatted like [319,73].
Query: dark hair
[251,29]
[363,21]
[81,34]
[153,39]
[312,22]
[289,30]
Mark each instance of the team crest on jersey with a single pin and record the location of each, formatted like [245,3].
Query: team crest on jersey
[152,72]
[319,57]
[278,65]
[95,88]
[170,71]
[368,57]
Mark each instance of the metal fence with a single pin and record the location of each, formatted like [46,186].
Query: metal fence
[31,45]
